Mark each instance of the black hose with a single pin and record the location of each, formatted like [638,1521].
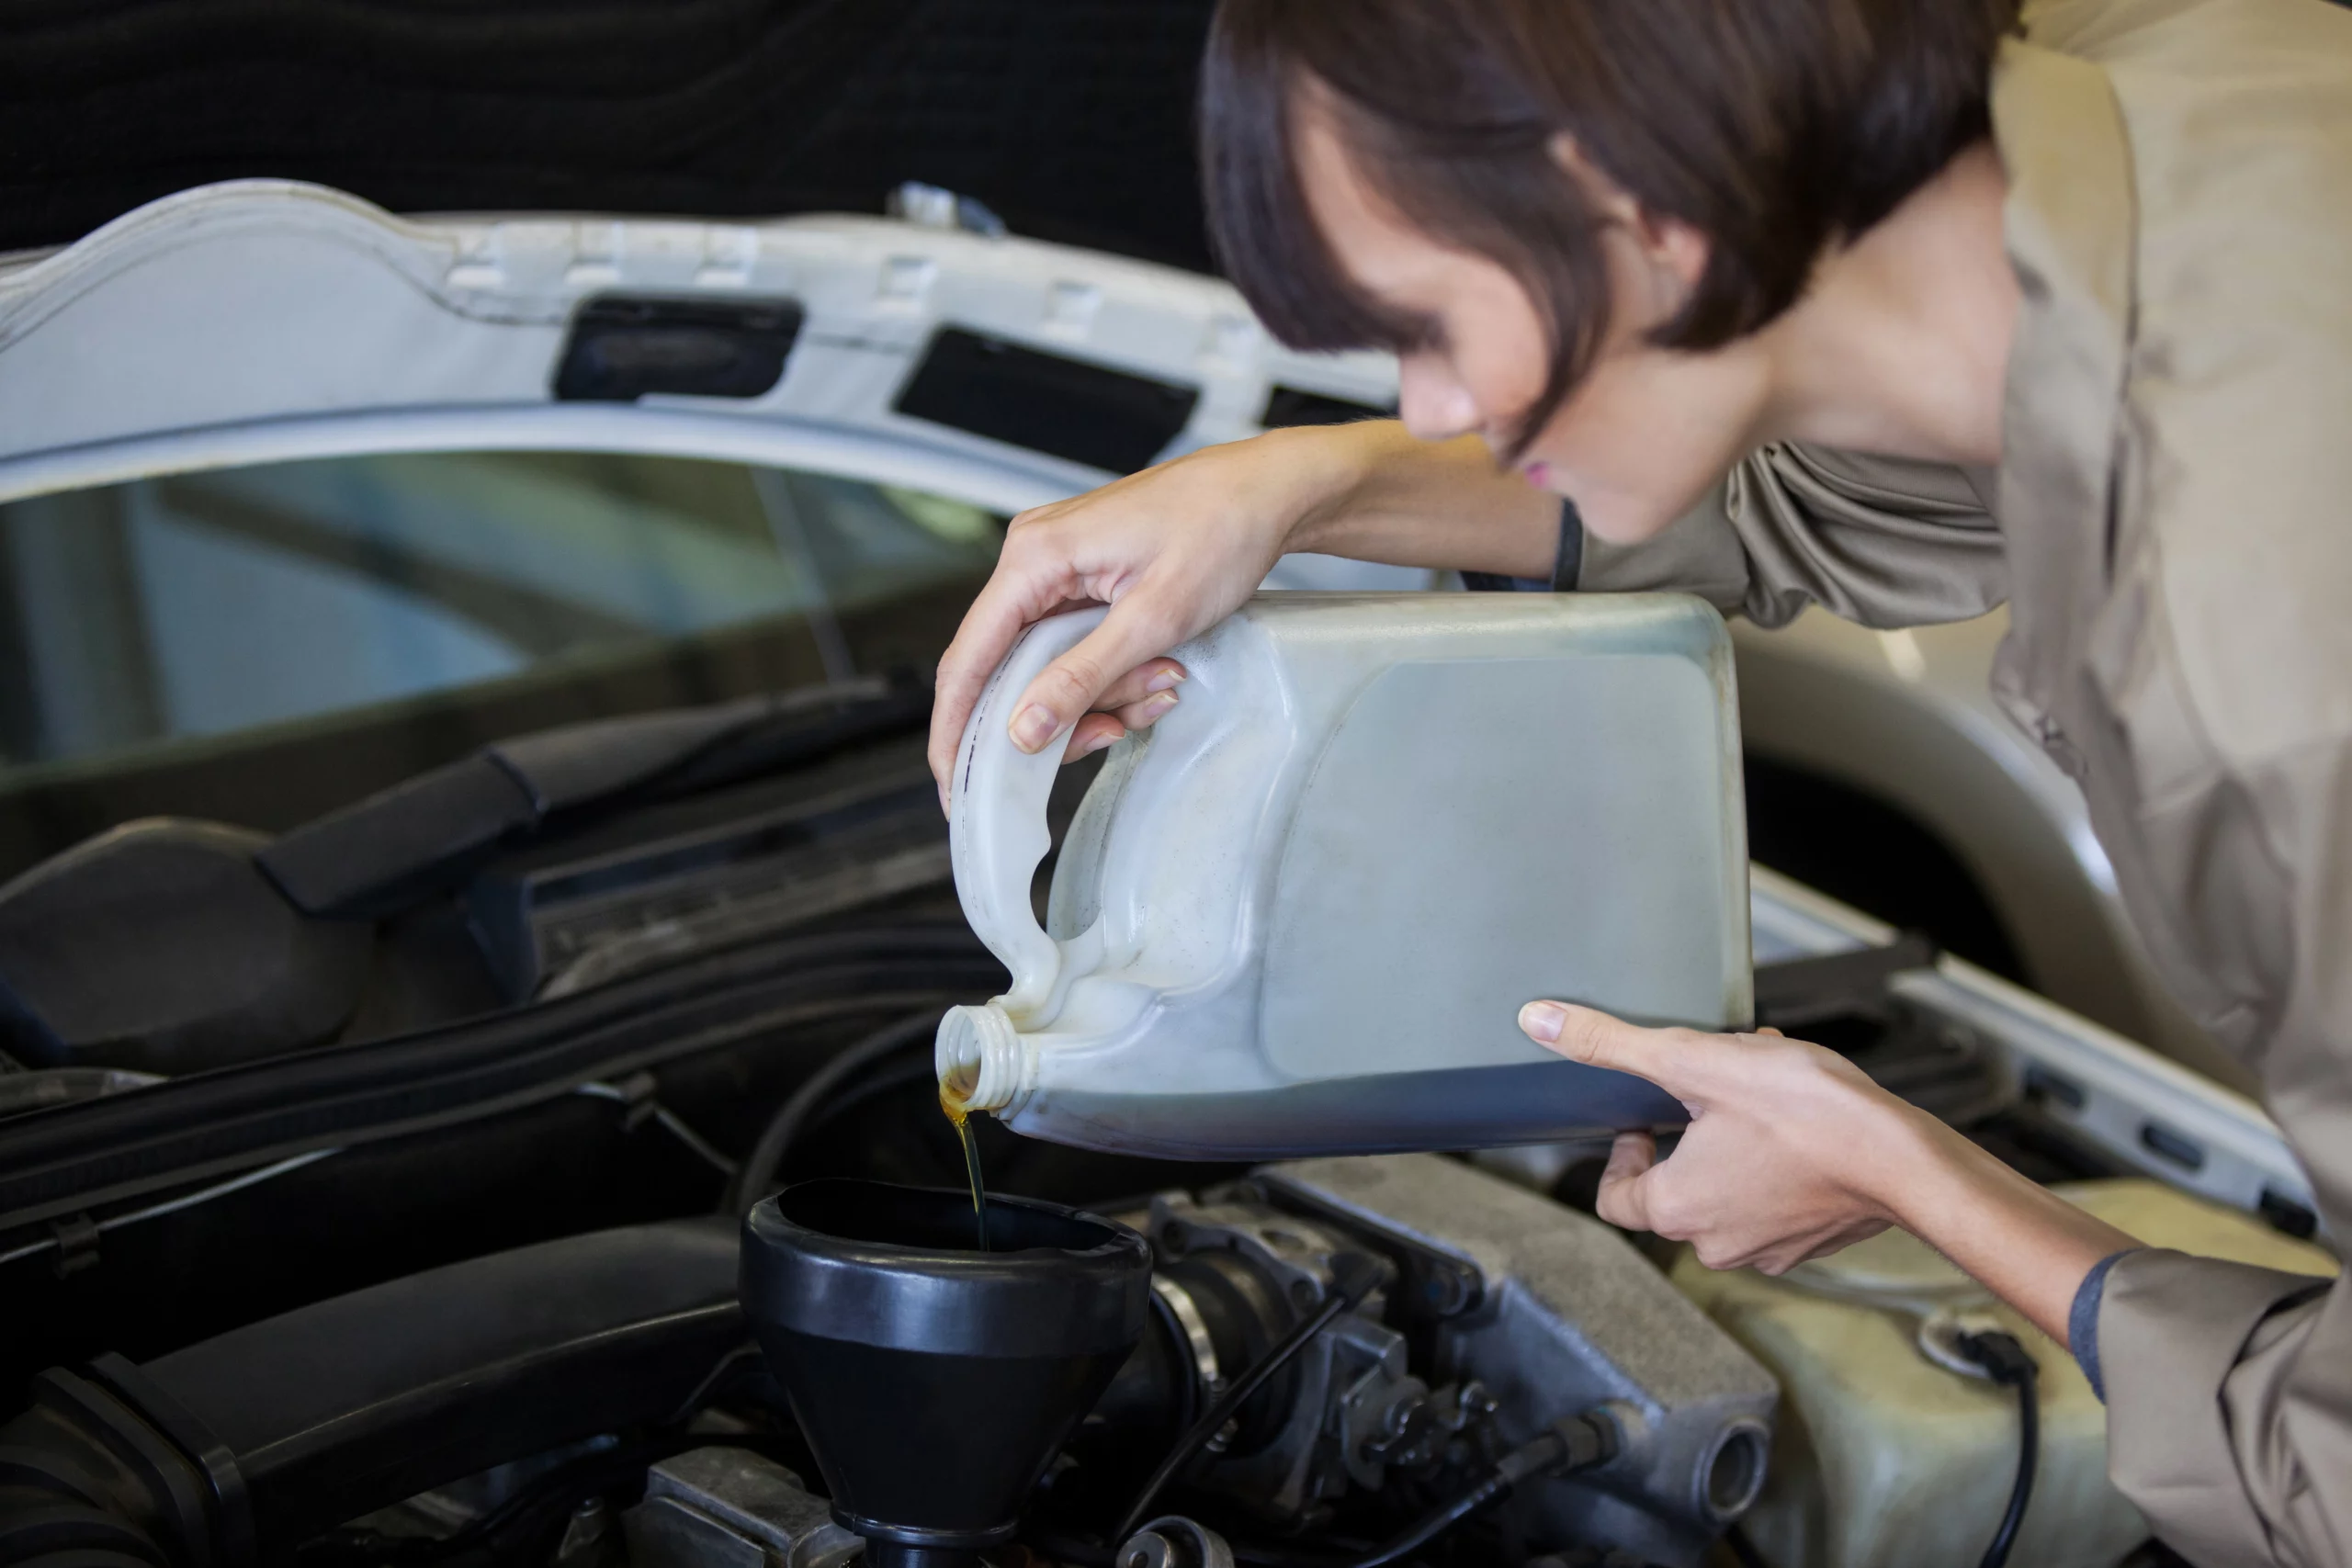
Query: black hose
[1742,1548]
[2005,1361]
[2028,1453]
[753,1182]
[1435,1523]
[1354,1277]
[1578,1443]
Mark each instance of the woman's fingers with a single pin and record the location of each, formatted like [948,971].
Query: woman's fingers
[1006,607]
[1791,1152]
[1136,701]
[1131,692]
[1171,550]
[1133,634]
[1623,1199]
[1091,734]
[1110,723]
[1680,1061]
[1012,601]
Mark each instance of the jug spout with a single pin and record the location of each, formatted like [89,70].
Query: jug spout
[984,1063]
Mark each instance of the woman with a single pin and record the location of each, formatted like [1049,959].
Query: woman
[1904,308]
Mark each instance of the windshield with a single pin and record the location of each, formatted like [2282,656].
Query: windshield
[260,644]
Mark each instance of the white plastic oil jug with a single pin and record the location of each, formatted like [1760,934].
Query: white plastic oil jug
[1299,915]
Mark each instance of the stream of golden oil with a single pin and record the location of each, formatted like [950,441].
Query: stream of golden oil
[962,1119]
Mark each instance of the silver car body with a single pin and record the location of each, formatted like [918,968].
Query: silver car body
[1908,716]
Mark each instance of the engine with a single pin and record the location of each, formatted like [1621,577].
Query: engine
[1507,1312]
[596,1400]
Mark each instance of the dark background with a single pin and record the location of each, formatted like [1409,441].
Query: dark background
[1071,118]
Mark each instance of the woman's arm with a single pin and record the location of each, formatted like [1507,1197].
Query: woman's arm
[1792,1153]
[1445,504]
[1176,548]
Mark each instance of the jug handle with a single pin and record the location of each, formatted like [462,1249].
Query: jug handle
[996,831]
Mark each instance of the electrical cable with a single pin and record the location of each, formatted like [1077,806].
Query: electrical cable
[700,1146]
[1436,1523]
[1355,1276]
[2006,1362]
[187,1200]
[594,1088]
[134,1147]
[753,1182]
[1578,1443]
[628,1095]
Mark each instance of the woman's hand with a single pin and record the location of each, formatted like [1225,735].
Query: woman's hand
[1176,548]
[1792,1153]
[1172,550]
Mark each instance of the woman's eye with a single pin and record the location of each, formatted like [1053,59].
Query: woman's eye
[1412,335]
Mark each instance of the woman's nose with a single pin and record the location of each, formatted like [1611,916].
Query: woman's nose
[1432,403]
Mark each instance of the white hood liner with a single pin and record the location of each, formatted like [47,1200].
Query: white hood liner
[263,319]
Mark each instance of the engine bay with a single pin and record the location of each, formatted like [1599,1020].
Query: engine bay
[500,1408]
[393,1213]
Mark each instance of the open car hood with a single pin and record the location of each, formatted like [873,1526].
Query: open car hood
[261,321]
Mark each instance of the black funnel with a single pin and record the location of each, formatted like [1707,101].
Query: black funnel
[936,1382]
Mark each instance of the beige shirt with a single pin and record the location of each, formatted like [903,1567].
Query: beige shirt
[2173,533]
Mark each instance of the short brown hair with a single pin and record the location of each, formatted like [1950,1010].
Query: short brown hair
[1776,128]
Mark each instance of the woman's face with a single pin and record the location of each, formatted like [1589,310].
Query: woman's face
[1645,436]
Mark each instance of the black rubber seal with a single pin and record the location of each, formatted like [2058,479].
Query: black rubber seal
[233,1517]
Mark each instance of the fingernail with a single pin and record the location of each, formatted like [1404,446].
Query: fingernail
[1542,1022]
[1034,726]
[1154,707]
[1097,744]
[1166,680]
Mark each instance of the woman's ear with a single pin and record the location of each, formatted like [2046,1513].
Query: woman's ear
[1676,249]
[1672,254]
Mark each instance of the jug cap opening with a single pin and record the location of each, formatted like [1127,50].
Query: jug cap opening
[981,1058]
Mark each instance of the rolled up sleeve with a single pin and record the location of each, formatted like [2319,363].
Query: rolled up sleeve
[1879,540]
[2227,1416]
